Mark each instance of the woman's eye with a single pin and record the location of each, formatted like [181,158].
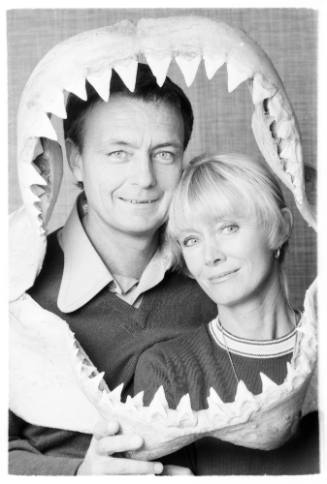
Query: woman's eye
[118,156]
[189,242]
[229,228]
[164,157]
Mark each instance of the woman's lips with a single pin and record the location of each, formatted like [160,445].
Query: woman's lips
[222,276]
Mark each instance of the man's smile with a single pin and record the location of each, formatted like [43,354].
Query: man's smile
[136,201]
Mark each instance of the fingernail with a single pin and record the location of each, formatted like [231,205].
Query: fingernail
[158,468]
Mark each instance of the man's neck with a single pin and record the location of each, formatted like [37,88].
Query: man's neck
[264,317]
[124,254]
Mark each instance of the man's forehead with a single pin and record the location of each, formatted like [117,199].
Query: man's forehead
[126,117]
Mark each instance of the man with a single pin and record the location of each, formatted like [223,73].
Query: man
[108,272]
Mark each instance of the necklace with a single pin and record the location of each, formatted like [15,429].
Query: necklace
[227,351]
[295,321]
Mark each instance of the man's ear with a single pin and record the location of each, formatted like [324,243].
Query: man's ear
[287,226]
[74,159]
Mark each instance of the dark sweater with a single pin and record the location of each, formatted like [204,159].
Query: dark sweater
[193,363]
[114,335]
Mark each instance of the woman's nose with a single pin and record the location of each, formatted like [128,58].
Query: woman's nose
[213,253]
[142,172]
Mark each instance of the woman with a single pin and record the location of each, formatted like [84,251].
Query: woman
[229,227]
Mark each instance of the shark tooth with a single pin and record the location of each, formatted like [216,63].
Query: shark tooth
[104,400]
[136,401]
[291,373]
[276,108]
[236,75]
[87,370]
[261,90]
[75,83]
[30,197]
[288,152]
[31,176]
[212,63]
[243,394]
[214,397]
[188,65]
[100,80]
[159,403]
[284,129]
[215,404]
[267,384]
[115,394]
[40,126]
[127,71]
[159,66]
[54,102]
[185,413]
[38,149]
[94,383]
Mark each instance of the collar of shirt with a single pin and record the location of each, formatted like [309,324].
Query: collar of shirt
[85,274]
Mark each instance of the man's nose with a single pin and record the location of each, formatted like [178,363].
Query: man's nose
[142,172]
[213,253]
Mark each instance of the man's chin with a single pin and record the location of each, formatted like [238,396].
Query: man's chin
[141,229]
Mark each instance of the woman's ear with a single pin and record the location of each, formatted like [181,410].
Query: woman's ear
[74,159]
[287,226]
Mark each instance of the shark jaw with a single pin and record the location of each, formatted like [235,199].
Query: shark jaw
[92,56]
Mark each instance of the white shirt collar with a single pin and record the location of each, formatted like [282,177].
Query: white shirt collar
[85,274]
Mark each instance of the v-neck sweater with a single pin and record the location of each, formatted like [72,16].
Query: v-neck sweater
[114,334]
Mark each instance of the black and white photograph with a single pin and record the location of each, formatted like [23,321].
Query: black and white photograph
[163,249]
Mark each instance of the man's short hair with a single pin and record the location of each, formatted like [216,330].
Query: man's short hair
[146,88]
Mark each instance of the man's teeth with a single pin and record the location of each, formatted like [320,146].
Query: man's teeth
[134,201]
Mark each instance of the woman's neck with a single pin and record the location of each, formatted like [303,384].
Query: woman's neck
[264,317]
[123,253]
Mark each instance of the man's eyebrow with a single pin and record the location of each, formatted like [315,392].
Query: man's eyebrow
[118,141]
[173,144]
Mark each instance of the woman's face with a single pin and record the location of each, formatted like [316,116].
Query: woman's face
[229,258]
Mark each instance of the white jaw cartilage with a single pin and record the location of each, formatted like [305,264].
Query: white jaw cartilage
[71,392]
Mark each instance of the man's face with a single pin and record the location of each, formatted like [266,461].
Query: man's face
[131,163]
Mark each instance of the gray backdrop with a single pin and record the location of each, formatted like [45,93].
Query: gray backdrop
[222,120]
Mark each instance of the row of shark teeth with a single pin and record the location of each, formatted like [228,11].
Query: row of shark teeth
[52,100]
[38,123]
[217,415]
[187,41]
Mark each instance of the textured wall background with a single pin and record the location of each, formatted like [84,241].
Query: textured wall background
[222,120]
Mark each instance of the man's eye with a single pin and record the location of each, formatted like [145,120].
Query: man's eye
[164,157]
[229,228]
[189,242]
[118,155]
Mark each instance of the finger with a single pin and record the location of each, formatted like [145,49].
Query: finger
[118,443]
[104,428]
[171,470]
[130,466]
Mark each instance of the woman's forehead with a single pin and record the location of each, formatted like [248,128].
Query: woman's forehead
[211,210]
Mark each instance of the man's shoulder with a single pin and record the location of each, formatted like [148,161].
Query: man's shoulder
[179,285]
[46,286]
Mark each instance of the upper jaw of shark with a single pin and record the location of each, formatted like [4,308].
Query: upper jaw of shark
[187,41]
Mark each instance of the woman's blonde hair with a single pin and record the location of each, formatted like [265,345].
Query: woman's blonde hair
[229,184]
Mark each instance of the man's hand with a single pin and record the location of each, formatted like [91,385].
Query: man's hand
[106,441]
